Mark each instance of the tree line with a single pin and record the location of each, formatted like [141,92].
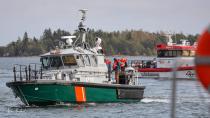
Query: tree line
[128,42]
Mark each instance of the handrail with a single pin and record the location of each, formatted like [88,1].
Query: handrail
[22,68]
[24,72]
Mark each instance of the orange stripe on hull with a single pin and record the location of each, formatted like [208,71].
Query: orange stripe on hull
[80,94]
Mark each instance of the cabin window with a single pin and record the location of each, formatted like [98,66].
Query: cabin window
[80,60]
[69,60]
[179,53]
[185,53]
[192,53]
[165,53]
[160,53]
[93,60]
[51,62]
[169,53]
[45,62]
[86,60]
[174,53]
[55,62]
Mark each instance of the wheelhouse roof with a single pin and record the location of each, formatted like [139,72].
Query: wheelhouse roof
[70,51]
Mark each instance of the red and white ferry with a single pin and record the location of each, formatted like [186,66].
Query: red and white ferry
[167,54]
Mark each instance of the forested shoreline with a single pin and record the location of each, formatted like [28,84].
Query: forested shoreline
[128,42]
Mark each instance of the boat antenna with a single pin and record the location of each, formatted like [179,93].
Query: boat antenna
[175,37]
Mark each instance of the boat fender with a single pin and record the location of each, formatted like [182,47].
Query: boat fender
[202,59]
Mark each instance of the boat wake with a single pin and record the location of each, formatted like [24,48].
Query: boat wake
[158,100]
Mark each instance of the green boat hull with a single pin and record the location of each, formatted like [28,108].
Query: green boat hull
[51,93]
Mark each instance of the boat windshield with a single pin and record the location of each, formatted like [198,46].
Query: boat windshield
[51,62]
[175,53]
[69,60]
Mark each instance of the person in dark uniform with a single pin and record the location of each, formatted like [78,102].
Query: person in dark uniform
[116,68]
[109,66]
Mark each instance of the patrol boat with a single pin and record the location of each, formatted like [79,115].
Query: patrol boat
[74,73]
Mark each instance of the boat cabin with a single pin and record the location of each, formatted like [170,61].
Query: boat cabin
[68,61]
[71,58]
[166,53]
[175,50]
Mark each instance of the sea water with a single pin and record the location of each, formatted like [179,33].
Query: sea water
[192,100]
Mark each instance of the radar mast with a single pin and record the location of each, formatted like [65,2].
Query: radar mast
[82,27]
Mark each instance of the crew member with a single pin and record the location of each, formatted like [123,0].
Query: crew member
[116,68]
[123,64]
[108,63]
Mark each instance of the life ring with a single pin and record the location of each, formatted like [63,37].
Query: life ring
[202,59]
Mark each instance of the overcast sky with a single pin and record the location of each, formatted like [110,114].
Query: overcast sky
[33,16]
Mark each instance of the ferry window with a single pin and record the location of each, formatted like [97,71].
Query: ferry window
[185,53]
[179,53]
[170,53]
[55,62]
[45,62]
[87,60]
[174,53]
[166,54]
[69,60]
[93,60]
[192,53]
[80,60]
[160,53]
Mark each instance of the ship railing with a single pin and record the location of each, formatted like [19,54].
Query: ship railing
[35,71]
[20,72]
[27,73]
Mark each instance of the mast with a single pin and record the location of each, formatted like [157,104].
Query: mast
[170,40]
[82,28]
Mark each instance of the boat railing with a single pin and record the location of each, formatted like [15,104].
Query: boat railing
[35,71]
[27,73]
[20,72]
[137,64]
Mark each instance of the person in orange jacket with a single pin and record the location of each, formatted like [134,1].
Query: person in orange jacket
[123,64]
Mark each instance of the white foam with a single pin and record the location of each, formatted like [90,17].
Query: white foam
[149,100]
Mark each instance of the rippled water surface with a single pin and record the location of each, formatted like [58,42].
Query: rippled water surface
[192,100]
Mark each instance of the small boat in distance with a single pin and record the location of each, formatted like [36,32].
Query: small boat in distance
[76,73]
[167,55]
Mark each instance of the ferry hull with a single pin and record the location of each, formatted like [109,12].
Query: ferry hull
[51,93]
